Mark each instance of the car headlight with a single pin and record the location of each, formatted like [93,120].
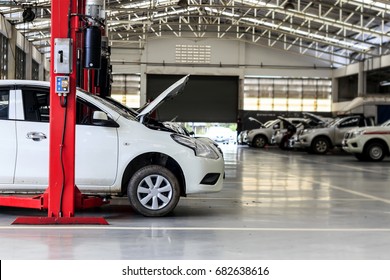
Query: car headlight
[306,131]
[200,149]
[357,133]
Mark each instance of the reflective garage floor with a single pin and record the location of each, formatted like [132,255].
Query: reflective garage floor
[275,205]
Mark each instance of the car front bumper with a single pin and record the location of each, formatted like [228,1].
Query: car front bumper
[204,175]
[293,143]
[353,146]
[201,175]
[304,141]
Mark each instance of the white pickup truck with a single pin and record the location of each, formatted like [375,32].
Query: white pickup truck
[321,140]
[116,153]
[369,143]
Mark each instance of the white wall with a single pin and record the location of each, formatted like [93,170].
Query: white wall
[228,57]
[5,27]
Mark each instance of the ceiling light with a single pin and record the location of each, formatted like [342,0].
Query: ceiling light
[289,5]
[183,3]
[28,14]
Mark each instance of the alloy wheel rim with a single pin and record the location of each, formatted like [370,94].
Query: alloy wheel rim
[376,152]
[260,142]
[321,146]
[154,192]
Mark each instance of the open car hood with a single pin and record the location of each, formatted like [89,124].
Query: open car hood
[167,94]
[256,120]
[318,119]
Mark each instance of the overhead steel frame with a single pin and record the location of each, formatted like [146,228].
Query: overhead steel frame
[337,31]
[62,197]
[341,32]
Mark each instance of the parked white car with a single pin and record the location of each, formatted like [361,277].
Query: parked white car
[321,140]
[220,134]
[262,136]
[370,143]
[116,153]
[242,137]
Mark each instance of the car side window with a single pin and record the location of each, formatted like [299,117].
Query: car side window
[84,112]
[4,104]
[36,105]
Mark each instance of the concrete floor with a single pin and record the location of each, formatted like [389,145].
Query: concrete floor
[275,205]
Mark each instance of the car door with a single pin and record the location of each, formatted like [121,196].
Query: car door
[96,149]
[32,128]
[8,136]
[344,126]
[96,145]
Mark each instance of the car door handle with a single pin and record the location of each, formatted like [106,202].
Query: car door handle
[36,136]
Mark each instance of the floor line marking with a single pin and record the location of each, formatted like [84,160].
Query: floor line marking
[194,228]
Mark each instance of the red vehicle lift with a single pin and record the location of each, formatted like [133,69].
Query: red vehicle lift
[62,196]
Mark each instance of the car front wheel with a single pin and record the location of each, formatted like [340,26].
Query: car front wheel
[320,145]
[375,151]
[153,191]
[259,141]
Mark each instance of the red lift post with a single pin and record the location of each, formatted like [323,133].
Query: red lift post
[62,196]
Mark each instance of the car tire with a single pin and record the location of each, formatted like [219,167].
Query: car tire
[153,191]
[320,146]
[375,151]
[360,157]
[259,141]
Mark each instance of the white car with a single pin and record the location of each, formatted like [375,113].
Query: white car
[116,153]
[321,140]
[220,134]
[262,136]
[369,143]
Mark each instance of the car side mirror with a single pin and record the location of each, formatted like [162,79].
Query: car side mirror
[276,126]
[101,119]
[99,115]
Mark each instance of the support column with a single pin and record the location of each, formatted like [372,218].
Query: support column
[62,117]
[361,79]
[11,53]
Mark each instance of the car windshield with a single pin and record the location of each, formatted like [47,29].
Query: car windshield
[116,103]
[334,122]
[386,123]
[111,105]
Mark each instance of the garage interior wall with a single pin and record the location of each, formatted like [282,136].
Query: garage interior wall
[224,58]
[31,55]
[227,57]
